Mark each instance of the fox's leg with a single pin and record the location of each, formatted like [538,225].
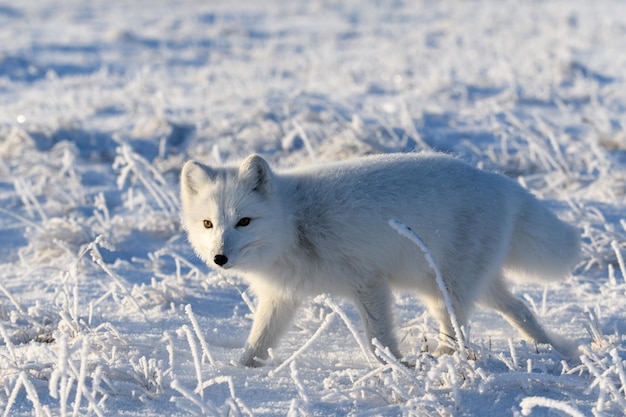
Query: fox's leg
[273,316]
[373,301]
[517,313]
[448,336]
[514,311]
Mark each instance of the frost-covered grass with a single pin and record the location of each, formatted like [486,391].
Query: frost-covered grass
[104,309]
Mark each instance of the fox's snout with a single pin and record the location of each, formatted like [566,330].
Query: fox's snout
[220,259]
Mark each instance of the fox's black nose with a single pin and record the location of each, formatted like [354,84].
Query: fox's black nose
[220,260]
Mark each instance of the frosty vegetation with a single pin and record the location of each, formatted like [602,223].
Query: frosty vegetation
[105,310]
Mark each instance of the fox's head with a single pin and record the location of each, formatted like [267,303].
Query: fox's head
[231,214]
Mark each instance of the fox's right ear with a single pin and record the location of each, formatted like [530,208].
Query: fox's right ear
[193,176]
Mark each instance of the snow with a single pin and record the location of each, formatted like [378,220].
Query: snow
[105,310]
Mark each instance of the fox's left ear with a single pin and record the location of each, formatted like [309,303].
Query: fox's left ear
[256,174]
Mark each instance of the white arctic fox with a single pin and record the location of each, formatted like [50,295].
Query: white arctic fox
[324,229]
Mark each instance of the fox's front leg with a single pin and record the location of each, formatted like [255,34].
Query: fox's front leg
[273,316]
[373,301]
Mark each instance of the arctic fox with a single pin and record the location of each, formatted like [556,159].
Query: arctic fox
[324,229]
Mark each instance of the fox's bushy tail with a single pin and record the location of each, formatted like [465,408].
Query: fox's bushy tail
[543,248]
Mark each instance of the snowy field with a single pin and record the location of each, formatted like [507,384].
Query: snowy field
[105,310]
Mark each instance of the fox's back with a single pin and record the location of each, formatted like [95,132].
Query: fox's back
[390,180]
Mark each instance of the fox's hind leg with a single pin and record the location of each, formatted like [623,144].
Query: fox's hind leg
[514,311]
[373,301]
[519,315]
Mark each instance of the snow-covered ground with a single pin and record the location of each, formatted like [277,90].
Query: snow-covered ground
[104,309]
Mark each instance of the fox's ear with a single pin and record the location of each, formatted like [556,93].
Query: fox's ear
[256,174]
[193,176]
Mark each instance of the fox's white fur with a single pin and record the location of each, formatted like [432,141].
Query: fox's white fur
[324,229]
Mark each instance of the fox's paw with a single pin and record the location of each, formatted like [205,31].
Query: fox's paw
[252,359]
[252,362]
[570,349]
[443,349]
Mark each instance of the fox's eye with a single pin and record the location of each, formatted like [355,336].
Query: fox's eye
[208,224]
[243,222]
